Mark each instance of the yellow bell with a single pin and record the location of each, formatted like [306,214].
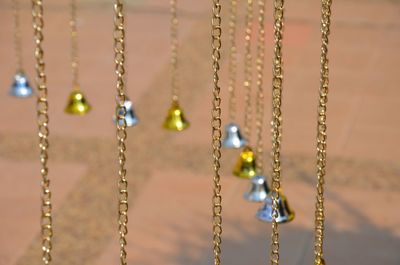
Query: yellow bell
[77,104]
[319,261]
[246,164]
[175,119]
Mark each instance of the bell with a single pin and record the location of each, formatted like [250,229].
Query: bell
[20,87]
[285,214]
[246,165]
[319,261]
[233,137]
[258,191]
[130,116]
[77,104]
[175,119]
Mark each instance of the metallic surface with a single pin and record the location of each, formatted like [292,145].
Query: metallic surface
[246,164]
[233,138]
[284,213]
[130,117]
[258,190]
[175,119]
[20,87]
[232,63]
[77,103]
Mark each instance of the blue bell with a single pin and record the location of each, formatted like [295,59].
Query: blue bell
[130,116]
[20,87]
[258,191]
[285,214]
[233,137]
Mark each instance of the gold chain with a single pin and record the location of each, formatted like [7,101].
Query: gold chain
[43,121]
[248,73]
[232,67]
[17,35]
[277,79]
[322,129]
[174,50]
[74,45]
[119,49]
[216,131]
[260,87]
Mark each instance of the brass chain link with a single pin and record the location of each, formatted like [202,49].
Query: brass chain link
[260,87]
[248,70]
[43,122]
[119,49]
[232,64]
[17,35]
[216,131]
[174,50]
[322,130]
[277,79]
[74,45]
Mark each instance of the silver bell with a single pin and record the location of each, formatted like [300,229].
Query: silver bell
[285,214]
[258,191]
[130,116]
[233,137]
[20,87]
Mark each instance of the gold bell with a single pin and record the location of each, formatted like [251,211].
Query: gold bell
[77,104]
[246,165]
[175,119]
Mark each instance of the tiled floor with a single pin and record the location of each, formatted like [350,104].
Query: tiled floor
[170,174]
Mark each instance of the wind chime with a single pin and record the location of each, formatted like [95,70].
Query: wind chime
[77,103]
[175,120]
[20,87]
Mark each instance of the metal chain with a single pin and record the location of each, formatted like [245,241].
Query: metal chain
[43,122]
[260,87]
[17,35]
[277,78]
[119,49]
[232,64]
[322,129]
[216,131]
[174,50]
[248,71]
[74,44]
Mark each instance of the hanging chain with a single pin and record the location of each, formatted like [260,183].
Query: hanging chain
[322,129]
[174,50]
[119,49]
[277,79]
[74,44]
[43,122]
[216,131]
[232,67]
[248,73]
[17,35]
[260,87]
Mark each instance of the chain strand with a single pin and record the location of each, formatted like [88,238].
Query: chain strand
[260,87]
[74,44]
[322,129]
[232,64]
[248,73]
[17,35]
[174,50]
[43,121]
[276,123]
[216,131]
[119,49]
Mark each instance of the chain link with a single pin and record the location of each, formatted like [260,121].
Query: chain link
[232,64]
[216,131]
[17,35]
[277,79]
[248,71]
[74,44]
[260,87]
[42,121]
[322,130]
[119,49]
[174,50]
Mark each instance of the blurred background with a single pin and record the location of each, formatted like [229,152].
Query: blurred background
[170,174]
